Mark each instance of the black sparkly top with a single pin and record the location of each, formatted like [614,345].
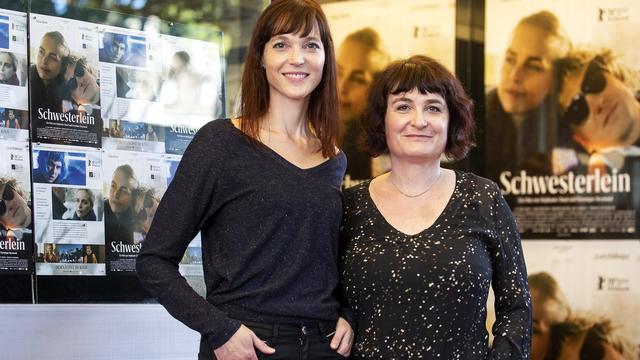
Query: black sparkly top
[269,236]
[424,296]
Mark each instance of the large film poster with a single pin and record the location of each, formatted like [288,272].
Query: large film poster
[113,110]
[15,190]
[563,143]
[365,45]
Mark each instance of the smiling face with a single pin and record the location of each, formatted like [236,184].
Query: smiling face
[526,74]
[293,65]
[614,113]
[83,203]
[416,126]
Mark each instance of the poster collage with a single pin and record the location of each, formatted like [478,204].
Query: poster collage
[110,120]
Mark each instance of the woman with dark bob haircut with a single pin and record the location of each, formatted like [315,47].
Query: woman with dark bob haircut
[422,244]
[264,191]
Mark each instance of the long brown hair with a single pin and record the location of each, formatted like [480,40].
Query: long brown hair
[284,17]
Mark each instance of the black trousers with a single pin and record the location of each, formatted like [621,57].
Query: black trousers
[307,341]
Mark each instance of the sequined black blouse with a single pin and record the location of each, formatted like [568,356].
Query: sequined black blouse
[424,296]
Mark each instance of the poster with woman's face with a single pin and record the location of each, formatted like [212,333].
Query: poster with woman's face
[364,46]
[562,140]
[562,126]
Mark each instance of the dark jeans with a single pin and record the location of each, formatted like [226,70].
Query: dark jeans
[308,341]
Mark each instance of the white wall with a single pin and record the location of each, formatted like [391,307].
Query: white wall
[92,331]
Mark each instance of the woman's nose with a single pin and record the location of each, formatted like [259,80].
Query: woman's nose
[420,119]
[296,56]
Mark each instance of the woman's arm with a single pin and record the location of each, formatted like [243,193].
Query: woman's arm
[179,217]
[512,329]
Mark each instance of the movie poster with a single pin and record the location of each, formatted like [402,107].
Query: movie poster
[562,140]
[13,58]
[365,45]
[567,142]
[68,210]
[65,82]
[598,278]
[133,185]
[15,207]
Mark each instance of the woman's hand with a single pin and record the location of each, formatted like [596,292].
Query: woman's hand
[343,338]
[242,346]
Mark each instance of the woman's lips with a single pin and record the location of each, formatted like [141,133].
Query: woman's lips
[516,93]
[295,75]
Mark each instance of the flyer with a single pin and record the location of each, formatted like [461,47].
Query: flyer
[15,208]
[68,209]
[13,58]
[133,186]
[65,82]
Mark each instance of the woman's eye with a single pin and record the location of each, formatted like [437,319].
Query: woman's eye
[313,45]
[403,107]
[534,67]
[279,45]
[510,60]
[433,108]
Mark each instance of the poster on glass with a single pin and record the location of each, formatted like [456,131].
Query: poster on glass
[65,82]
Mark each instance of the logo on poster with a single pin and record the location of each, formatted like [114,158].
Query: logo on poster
[613,14]
[613,284]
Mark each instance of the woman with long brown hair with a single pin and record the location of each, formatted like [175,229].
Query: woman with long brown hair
[264,191]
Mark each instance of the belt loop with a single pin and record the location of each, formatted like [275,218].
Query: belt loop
[274,335]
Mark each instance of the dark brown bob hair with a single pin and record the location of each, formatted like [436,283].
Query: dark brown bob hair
[428,76]
[284,17]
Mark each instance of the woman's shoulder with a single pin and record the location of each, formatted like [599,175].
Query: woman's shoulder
[358,189]
[356,193]
[217,126]
[472,182]
[216,132]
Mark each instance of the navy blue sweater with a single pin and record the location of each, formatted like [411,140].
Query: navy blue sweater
[269,236]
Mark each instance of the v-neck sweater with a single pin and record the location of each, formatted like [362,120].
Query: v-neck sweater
[269,236]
